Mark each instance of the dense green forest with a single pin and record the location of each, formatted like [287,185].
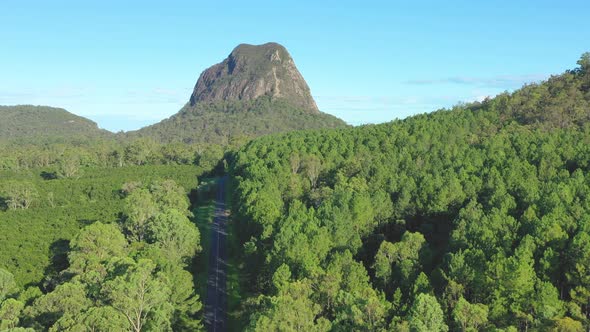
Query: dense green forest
[65,159]
[474,218]
[469,219]
[111,249]
[55,209]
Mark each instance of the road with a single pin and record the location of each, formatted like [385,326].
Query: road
[216,303]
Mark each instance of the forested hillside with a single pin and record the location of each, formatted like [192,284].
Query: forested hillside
[225,123]
[35,123]
[474,218]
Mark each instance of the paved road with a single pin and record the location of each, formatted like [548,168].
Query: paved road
[216,303]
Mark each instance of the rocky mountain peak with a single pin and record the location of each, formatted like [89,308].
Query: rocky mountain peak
[251,71]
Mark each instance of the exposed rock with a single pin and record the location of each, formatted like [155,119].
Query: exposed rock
[251,71]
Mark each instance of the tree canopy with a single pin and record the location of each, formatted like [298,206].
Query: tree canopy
[472,218]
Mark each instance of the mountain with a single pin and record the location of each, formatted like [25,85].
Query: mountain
[34,122]
[252,71]
[256,90]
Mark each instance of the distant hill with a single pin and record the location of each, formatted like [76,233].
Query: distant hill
[256,90]
[562,101]
[36,122]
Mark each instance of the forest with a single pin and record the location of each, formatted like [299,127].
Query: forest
[100,235]
[109,250]
[475,218]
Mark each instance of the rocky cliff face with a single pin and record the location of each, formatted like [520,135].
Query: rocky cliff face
[251,71]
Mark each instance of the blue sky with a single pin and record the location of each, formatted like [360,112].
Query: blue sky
[126,64]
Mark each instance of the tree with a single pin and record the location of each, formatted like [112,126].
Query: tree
[364,309]
[140,295]
[584,62]
[10,311]
[117,157]
[498,187]
[291,310]
[312,165]
[295,163]
[129,187]
[139,151]
[7,284]
[66,301]
[385,256]
[514,285]
[183,297]
[403,258]
[426,315]
[422,285]
[175,234]
[281,278]
[20,195]
[93,247]
[104,318]
[300,240]
[566,324]
[178,153]
[169,195]
[139,209]
[470,316]
[546,303]
[578,272]
[68,165]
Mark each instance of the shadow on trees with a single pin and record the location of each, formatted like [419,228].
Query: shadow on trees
[48,175]
[86,222]
[3,203]
[436,228]
[58,252]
